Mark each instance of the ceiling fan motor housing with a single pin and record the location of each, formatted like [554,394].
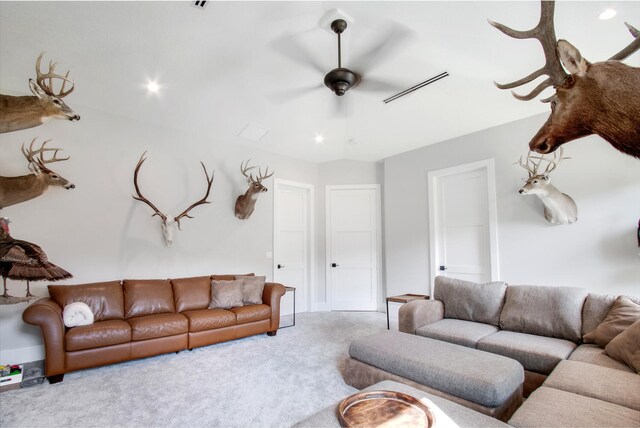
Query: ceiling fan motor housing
[339,80]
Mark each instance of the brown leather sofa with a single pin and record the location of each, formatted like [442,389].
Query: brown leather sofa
[141,318]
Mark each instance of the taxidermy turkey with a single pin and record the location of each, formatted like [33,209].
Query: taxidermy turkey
[22,260]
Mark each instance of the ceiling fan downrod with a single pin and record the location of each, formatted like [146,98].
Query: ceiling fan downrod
[339,80]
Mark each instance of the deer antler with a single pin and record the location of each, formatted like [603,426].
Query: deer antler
[185,213]
[140,196]
[50,75]
[263,176]
[545,33]
[36,157]
[632,47]
[532,166]
[244,167]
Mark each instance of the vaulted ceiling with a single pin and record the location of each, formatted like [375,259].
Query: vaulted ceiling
[234,63]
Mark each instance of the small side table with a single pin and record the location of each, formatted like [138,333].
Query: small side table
[287,288]
[403,298]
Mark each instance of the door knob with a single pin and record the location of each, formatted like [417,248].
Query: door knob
[334,265]
[443,268]
[280,266]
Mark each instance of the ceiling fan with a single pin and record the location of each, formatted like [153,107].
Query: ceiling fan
[340,79]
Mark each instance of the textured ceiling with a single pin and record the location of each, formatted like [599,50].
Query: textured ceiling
[235,63]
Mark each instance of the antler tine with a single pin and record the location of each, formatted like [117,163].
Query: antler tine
[140,196]
[50,75]
[531,169]
[545,33]
[37,156]
[631,47]
[265,176]
[244,167]
[185,213]
[557,158]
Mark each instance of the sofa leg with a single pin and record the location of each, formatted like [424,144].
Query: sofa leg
[272,333]
[55,378]
[190,349]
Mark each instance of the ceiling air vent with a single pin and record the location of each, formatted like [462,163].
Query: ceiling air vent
[200,4]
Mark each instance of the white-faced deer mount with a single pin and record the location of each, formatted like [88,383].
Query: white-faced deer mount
[28,111]
[601,98]
[247,202]
[559,208]
[168,224]
[14,190]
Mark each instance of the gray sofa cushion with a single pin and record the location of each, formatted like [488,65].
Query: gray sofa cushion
[483,378]
[544,311]
[538,354]
[596,308]
[466,300]
[603,383]
[465,333]
[593,354]
[446,413]
[550,407]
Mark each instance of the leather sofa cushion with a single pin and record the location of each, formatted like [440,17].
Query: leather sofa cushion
[469,301]
[147,297]
[544,311]
[209,319]
[191,293]
[104,298]
[251,313]
[97,335]
[158,325]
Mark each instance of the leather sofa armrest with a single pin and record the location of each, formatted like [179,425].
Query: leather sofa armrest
[418,313]
[271,296]
[47,314]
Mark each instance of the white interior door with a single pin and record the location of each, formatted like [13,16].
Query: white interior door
[293,242]
[353,246]
[463,222]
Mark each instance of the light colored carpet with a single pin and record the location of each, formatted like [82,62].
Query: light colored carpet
[258,381]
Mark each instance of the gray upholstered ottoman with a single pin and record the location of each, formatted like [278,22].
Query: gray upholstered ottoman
[446,412]
[485,382]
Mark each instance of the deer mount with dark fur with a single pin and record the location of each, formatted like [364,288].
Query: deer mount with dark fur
[32,110]
[602,98]
[247,202]
[168,224]
[14,190]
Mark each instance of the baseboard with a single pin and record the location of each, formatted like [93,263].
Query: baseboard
[22,355]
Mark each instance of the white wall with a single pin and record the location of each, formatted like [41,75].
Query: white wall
[599,251]
[98,232]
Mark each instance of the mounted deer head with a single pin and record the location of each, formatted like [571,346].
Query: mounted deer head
[601,98]
[29,111]
[168,224]
[14,190]
[247,202]
[559,208]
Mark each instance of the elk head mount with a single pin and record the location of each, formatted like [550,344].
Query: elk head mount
[14,190]
[168,224]
[32,110]
[559,208]
[247,202]
[602,98]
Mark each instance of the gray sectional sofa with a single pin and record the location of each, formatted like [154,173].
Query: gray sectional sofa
[568,381]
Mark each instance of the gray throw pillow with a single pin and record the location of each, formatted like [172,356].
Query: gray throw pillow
[252,288]
[625,347]
[226,294]
[622,314]
[466,300]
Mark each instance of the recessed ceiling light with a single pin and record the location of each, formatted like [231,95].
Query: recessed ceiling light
[153,87]
[607,14]
[319,139]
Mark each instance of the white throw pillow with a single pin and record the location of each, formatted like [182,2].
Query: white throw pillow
[77,313]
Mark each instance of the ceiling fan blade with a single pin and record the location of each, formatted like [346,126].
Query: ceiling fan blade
[281,97]
[373,85]
[390,42]
[290,47]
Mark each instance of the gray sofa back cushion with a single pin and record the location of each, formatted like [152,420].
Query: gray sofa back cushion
[469,301]
[545,311]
